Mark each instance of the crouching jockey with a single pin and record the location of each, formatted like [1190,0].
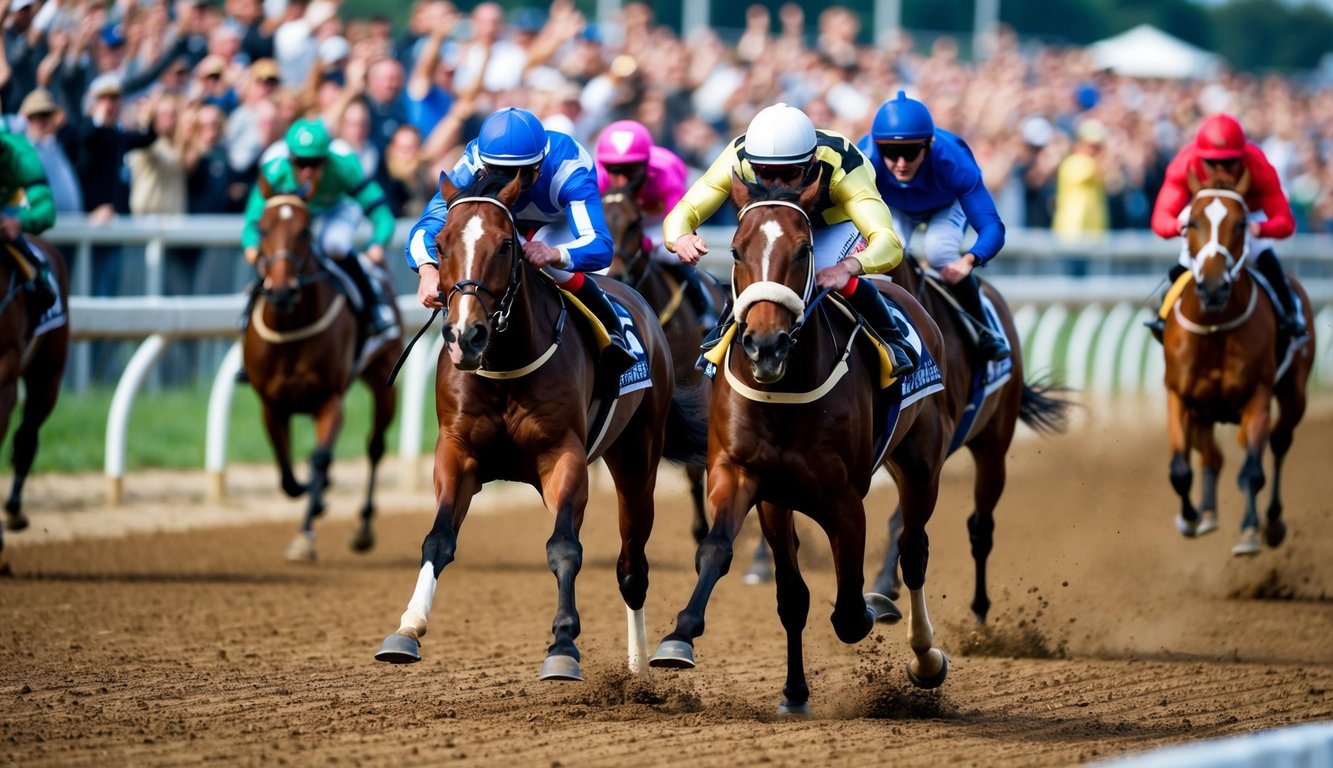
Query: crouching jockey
[627,157]
[558,210]
[1220,149]
[309,160]
[853,230]
[27,208]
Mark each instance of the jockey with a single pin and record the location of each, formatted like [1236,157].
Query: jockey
[853,230]
[308,159]
[1220,146]
[28,207]
[558,211]
[626,156]
[933,179]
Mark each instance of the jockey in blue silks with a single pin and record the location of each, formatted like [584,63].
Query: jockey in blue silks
[928,176]
[558,212]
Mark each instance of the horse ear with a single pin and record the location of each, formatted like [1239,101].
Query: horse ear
[1192,181]
[740,191]
[447,188]
[265,187]
[810,194]
[1243,186]
[509,193]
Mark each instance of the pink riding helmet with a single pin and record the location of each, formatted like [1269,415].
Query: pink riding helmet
[624,141]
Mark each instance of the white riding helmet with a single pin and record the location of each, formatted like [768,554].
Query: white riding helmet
[780,135]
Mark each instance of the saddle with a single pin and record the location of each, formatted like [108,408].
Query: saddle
[609,386]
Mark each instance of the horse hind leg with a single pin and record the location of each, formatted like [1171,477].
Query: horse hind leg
[634,468]
[918,484]
[1254,435]
[887,582]
[793,605]
[1291,408]
[564,483]
[363,538]
[1211,457]
[989,486]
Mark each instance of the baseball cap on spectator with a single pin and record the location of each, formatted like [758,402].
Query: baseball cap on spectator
[264,69]
[39,102]
[113,35]
[333,49]
[106,84]
[1037,131]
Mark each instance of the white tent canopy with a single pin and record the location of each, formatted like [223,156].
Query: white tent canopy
[1146,51]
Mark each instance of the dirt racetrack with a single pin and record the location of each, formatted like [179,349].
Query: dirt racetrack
[171,632]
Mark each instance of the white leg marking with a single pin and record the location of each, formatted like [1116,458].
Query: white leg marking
[423,597]
[638,641]
[922,634]
[472,232]
[771,232]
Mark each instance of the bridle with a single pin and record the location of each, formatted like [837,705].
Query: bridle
[801,305]
[1215,212]
[639,260]
[504,304]
[300,261]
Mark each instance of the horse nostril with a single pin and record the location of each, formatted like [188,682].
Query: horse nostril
[749,345]
[476,337]
[783,345]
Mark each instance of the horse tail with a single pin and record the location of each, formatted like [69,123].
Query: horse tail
[1041,409]
[687,426]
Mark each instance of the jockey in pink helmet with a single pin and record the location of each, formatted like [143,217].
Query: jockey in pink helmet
[625,155]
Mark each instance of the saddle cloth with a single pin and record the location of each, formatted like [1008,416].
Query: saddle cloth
[58,313]
[637,376]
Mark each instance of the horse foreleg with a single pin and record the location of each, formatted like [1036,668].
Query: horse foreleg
[918,489]
[1180,428]
[845,523]
[989,459]
[564,477]
[1206,444]
[634,469]
[1254,428]
[455,485]
[699,527]
[328,420]
[385,401]
[14,519]
[278,426]
[1291,408]
[730,493]
[793,604]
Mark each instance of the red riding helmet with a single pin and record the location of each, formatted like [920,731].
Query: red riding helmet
[1220,137]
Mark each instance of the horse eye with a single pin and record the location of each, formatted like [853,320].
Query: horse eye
[735,256]
[804,252]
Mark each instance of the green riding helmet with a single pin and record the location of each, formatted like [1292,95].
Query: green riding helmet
[308,139]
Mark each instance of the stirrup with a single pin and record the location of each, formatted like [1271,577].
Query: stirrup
[714,336]
[903,364]
[993,347]
[616,358]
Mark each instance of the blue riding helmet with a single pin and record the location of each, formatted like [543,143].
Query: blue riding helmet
[512,137]
[902,118]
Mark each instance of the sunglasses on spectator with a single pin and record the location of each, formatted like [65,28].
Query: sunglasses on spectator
[909,152]
[784,173]
[308,162]
[269,81]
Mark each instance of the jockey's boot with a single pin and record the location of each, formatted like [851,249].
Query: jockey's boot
[871,304]
[990,344]
[1289,321]
[376,315]
[1157,325]
[616,357]
[41,296]
[695,291]
[251,295]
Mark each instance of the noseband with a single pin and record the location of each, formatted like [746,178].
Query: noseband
[1215,212]
[499,319]
[799,305]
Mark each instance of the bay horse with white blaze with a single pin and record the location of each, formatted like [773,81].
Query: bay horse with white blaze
[38,360]
[1222,365]
[300,351]
[522,401]
[633,264]
[788,430]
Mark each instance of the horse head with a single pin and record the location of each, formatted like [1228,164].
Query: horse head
[285,255]
[480,264]
[1215,229]
[624,220]
[772,271]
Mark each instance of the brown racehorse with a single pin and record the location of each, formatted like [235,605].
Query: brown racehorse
[1222,365]
[39,362]
[990,427]
[300,352]
[789,431]
[633,265]
[520,402]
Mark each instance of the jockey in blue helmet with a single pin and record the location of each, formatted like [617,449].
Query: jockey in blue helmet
[558,211]
[928,176]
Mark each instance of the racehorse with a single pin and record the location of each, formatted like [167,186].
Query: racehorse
[633,265]
[985,410]
[523,401]
[1222,365]
[300,351]
[788,430]
[39,361]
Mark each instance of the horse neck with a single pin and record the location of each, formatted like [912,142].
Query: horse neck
[532,318]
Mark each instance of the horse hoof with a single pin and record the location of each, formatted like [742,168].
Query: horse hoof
[301,550]
[362,540]
[1207,522]
[673,654]
[399,649]
[759,573]
[1275,533]
[1248,544]
[929,681]
[16,521]
[885,610]
[1187,529]
[560,667]
[788,709]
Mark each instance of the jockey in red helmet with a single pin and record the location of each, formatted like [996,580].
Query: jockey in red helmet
[1220,147]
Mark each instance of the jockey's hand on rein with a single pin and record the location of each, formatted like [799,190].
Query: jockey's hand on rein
[690,248]
[540,254]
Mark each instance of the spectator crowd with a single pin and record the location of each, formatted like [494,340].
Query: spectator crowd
[141,107]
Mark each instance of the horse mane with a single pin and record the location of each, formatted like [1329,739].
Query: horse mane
[764,193]
[483,185]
